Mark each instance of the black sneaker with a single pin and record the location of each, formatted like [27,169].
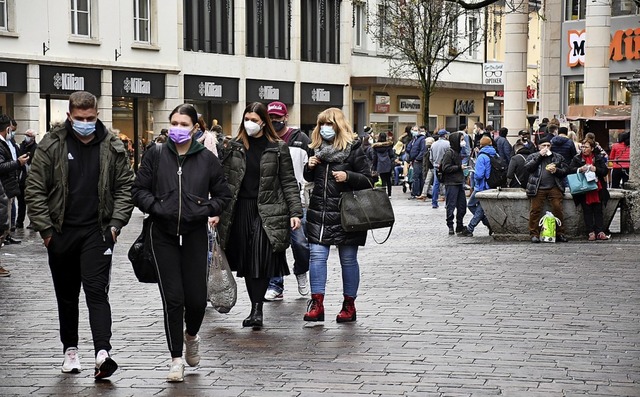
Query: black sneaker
[465,233]
[12,240]
[459,229]
[562,239]
[105,366]
[535,239]
[451,232]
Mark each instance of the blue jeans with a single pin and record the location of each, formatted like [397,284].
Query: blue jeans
[348,262]
[477,211]
[455,201]
[397,170]
[436,189]
[418,179]
[300,249]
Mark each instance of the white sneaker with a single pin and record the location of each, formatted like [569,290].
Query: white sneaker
[273,295]
[71,363]
[176,372]
[303,284]
[192,355]
[105,366]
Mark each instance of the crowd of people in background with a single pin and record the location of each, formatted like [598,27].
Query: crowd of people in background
[270,187]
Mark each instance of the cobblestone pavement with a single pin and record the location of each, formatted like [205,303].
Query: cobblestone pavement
[437,316]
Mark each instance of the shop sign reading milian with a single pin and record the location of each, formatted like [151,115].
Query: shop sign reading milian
[413,105]
[268,91]
[64,81]
[138,85]
[210,88]
[321,94]
[13,77]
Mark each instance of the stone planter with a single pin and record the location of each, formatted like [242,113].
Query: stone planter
[508,213]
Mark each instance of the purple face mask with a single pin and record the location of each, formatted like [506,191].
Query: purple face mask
[179,134]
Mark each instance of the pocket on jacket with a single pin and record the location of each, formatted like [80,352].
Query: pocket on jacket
[195,208]
[166,205]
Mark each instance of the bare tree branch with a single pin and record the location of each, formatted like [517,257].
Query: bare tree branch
[474,6]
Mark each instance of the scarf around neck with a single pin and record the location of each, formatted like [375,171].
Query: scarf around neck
[328,153]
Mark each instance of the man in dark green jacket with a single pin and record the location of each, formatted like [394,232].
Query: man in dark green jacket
[78,197]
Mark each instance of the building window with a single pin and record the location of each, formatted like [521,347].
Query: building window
[320,31]
[141,20]
[208,26]
[382,28]
[576,9]
[4,18]
[268,28]
[452,38]
[359,20]
[576,93]
[81,17]
[623,7]
[472,26]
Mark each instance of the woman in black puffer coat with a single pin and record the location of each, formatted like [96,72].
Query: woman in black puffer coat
[338,165]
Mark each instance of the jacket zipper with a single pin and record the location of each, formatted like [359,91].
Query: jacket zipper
[179,172]
[324,195]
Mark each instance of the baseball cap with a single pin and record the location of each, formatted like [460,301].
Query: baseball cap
[277,108]
[443,132]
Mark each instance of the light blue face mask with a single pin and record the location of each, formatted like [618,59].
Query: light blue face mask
[84,128]
[327,132]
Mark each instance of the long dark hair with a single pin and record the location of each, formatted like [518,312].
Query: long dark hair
[267,128]
[186,109]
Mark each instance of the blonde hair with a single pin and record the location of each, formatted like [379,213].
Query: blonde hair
[344,133]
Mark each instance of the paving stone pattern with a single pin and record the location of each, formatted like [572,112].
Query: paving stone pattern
[437,316]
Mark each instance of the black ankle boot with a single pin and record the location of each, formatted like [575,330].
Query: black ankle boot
[255,317]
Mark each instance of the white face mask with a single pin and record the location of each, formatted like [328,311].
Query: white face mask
[252,128]
[463,144]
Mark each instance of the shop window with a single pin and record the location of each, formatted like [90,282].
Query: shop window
[576,93]
[576,9]
[623,7]
[208,26]
[268,28]
[320,31]
[142,20]
[433,123]
[81,17]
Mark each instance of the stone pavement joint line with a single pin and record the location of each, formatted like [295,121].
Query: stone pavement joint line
[437,316]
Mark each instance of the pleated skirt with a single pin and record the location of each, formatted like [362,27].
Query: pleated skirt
[249,250]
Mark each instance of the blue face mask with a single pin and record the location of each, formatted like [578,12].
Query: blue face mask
[414,133]
[84,128]
[327,132]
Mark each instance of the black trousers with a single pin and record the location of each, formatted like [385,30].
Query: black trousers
[182,274]
[593,217]
[456,201]
[386,181]
[22,208]
[619,175]
[81,256]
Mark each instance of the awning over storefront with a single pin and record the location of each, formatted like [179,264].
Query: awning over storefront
[602,113]
[266,91]
[138,84]
[211,88]
[56,80]
[13,77]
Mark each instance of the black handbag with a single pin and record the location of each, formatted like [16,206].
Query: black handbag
[367,209]
[141,255]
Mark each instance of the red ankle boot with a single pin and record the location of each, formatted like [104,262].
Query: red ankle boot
[348,312]
[316,308]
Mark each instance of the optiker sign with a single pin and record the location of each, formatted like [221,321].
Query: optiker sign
[136,85]
[269,93]
[68,82]
[210,89]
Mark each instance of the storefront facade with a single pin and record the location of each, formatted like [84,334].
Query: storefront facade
[13,80]
[214,97]
[314,98]
[135,96]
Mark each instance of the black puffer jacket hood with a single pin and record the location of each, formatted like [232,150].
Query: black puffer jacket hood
[454,140]
[323,213]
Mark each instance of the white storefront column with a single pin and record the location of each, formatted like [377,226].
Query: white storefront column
[551,62]
[596,64]
[515,63]
[26,105]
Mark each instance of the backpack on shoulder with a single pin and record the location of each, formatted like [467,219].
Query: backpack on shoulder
[498,174]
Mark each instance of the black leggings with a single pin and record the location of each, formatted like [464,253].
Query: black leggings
[619,174]
[386,181]
[182,275]
[256,288]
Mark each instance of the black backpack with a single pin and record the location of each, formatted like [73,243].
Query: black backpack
[498,174]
